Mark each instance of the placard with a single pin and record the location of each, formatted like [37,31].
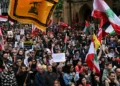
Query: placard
[28,45]
[59,57]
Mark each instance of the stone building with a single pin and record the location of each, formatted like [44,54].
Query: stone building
[80,10]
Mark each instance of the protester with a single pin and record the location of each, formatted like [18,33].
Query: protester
[31,56]
[84,82]
[40,77]
[50,76]
[111,80]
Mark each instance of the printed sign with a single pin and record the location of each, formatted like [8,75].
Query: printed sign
[59,57]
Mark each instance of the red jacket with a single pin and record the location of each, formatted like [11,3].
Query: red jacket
[79,69]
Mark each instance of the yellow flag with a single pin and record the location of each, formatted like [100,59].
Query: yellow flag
[37,12]
[96,42]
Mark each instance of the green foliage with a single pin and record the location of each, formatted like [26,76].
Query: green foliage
[58,10]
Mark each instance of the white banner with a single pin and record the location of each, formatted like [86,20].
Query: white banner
[59,57]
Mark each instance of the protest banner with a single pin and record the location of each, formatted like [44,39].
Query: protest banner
[59,57]
[28,45]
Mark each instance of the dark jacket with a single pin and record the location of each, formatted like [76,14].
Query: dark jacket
[21,78]
[50,78]
[60,78]
[40,80]
[95,83]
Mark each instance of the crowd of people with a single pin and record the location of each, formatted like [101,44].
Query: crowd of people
[26,59]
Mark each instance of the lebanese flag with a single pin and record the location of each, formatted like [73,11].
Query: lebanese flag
[1,40]
[66,38]
[103,11]
[92,59]
[101,33]
[86,28]
[108,28]
[5,19]
[33,33]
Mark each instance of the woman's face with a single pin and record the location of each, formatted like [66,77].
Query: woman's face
[79,63]
[21,52]
[84,80]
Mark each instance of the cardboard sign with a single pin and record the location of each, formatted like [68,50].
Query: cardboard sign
[59,57]
[22,32]
[28,45]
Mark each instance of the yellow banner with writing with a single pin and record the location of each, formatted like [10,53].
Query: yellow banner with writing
[37,12]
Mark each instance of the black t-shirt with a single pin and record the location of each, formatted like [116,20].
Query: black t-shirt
[112,84]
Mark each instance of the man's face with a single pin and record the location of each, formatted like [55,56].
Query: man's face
[40,69]
[5,56]
[50,68]
[118,71]
[112,76]
[60,69]
[109,67]
[23,69]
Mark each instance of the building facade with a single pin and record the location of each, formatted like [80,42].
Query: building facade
[73,10]
[80,10]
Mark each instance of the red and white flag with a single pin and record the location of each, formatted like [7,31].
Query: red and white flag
[87,27]
[103,11]
[101,33]
[92,59]
[35,31]
[5,19]
[66,38]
